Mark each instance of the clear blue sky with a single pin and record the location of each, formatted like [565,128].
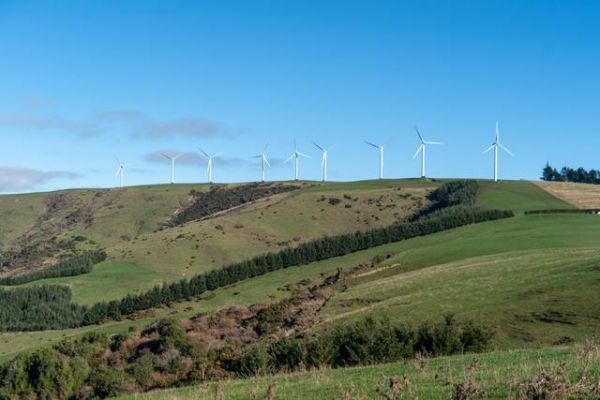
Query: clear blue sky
[83,82]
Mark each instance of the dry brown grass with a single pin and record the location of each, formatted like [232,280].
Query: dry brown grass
[581,195]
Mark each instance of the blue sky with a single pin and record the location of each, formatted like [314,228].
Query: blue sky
[84,82]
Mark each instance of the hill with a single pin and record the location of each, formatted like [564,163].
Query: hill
[531,279]
[131,226]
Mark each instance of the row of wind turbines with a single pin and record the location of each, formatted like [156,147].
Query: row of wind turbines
[297,155]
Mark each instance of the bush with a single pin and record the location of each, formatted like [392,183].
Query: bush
[107,382]
[171,336]
[141,370]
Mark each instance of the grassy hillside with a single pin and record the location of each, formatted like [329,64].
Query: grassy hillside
[142,252]
[498,375]
[533,279]
[518,196]
[477,249]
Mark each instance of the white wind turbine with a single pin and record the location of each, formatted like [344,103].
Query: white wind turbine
[264,163]
[421,149]
[380,148]
[496,145]
[324,160]
[296,155]
[121,172]
[172,158]
[209,165]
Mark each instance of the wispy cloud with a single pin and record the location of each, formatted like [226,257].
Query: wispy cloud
[137,123]
[49,123]
[191,127]
[120,116]
[15,179]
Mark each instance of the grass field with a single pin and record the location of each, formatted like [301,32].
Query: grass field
[499,375]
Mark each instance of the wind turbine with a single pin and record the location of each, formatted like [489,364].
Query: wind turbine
[264,162]
[421,149]
[296,155]
[323,161]
[172,158]
[121,172]
[380,148]
[209,166]
[496,145]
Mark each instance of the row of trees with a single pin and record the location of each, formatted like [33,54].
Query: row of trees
[38,308]
[163,355]
[566,174]
[75,265]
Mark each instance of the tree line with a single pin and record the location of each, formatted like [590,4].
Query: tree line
[76,265]
[38,308]
[567,174]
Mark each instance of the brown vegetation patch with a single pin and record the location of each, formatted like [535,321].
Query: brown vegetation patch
[581,195]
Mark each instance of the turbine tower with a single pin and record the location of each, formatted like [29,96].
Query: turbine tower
[209,165]
[380,148]
[121,172]
[496,145]
[172,158]
[421,149]
[323,161]
[264,162]
[296,155]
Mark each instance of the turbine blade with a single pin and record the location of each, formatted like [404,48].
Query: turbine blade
[217,155]
[290,158]
[205,153]
[497,132]
[489,148]
[417,153]
[372,144]
[165,155]
[419,133]
[506,150]
[177,156]
[303,155]
[267,161]
[318,147]
[436,143]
